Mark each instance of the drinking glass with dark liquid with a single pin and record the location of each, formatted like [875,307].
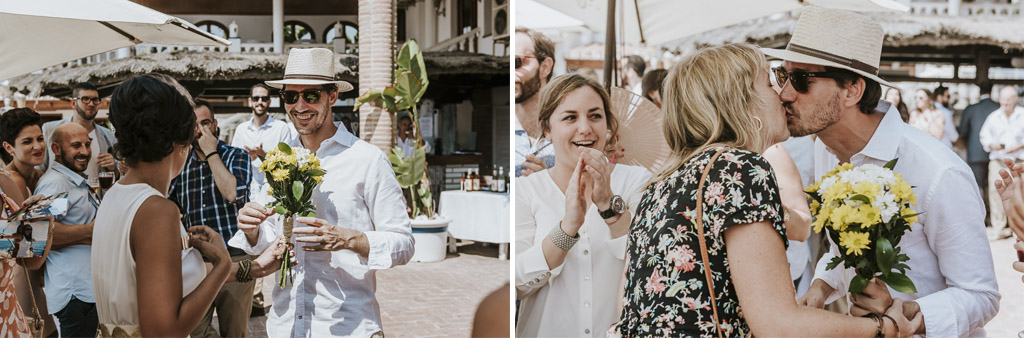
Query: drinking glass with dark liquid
[1020,254]
[106,179]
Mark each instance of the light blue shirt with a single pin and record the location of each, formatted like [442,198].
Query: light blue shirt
[68,269]
[541,148]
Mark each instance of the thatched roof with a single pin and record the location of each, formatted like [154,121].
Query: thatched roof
[901,30]
[220,66]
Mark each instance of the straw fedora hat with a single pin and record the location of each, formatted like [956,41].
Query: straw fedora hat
[835,38]
[310,66]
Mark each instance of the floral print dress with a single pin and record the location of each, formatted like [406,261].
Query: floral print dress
[665,293]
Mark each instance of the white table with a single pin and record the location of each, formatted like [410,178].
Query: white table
[480,216]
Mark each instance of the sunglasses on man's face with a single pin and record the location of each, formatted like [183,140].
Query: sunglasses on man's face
[255,98]
[310,95]
[798,78]
[520,59]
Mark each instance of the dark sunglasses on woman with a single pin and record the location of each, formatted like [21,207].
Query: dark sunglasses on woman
[798,77]
[310,95]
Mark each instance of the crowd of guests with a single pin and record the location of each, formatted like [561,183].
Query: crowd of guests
[698,254]
[184,229]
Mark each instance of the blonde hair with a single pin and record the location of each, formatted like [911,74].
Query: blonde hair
[553,94]
[710,100]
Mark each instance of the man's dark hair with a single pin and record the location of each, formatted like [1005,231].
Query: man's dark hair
[653,80]
[150,117]
[405,117]
[204,103]
[636,63]
[78,87]
[872,90]
[11,124]
[985,87]
[543,48]
[940,90]
[260,85]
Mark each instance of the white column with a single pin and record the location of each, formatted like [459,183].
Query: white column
[430,25]
[954,7]
[278,26]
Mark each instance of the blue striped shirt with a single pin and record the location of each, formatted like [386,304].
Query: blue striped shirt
[196,194]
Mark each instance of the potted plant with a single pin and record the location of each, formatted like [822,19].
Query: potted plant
[410,83]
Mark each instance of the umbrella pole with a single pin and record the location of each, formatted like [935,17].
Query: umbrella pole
[609,45]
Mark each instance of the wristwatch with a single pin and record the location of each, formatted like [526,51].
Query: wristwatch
[616,207]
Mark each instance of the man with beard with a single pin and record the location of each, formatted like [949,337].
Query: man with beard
[534,63]
[68,277]
[950,133]
[631,72]
[830,87]
[258,135]
[85,98]
[360,224]
[212,186]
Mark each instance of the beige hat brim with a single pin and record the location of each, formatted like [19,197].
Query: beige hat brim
[343,86]
[792,56]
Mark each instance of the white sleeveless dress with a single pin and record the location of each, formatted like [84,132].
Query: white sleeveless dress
[113,266]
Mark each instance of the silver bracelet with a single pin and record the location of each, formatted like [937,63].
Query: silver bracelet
[561,239]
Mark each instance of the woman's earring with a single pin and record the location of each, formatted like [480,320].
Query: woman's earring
[759,124]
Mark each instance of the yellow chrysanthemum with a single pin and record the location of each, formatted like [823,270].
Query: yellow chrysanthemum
[909,211]
[270,190]
[280,174]
[839,190]
[289,159]
[815,206]
[318,179]
[868,189]
[818,224]
[854,242]
[841,217]
[867,215]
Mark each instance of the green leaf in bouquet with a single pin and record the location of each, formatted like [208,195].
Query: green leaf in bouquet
[834,263]
[284,148]
[861,264]
[309,214]
[861,198]
[297,190]
[899,282]
[281,210]
[857,284]
[902,268]
[316,172]
[885,255]
[891,164]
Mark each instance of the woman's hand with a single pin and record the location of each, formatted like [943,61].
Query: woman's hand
[1010,187]
[906,326]
[270,260]
[575,201]
[600,172]
[210,245]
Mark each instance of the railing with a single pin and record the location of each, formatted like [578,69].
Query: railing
[465,42]
[965,9]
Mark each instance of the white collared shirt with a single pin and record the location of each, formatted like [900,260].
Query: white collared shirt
[950,259]
[577,298]
[408,146]
[333,292]
[1000,129]
[268,135]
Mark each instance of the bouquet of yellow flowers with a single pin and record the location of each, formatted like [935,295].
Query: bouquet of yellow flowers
[292,175]
[866,210]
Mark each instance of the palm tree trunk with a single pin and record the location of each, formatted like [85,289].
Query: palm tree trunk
[376,68]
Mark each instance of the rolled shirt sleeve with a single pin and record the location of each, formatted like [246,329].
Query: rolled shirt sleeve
[268,233]
[532,272]
[391,241]
[238,164]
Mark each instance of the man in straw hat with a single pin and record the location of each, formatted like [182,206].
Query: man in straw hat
[360,224]
[830,87]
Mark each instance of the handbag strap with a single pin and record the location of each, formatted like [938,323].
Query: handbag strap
[703,244]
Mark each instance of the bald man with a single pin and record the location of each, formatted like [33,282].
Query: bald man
[1001,137]
[68,278]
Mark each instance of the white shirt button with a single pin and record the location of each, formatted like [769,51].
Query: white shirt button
[586,277]
[587,331]
[586,304]
[586,252]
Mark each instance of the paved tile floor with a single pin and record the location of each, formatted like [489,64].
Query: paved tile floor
[432,299]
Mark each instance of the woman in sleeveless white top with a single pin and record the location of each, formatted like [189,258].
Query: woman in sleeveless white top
[113,266]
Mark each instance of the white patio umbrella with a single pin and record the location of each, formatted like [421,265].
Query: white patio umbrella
[654,22]
[41,33]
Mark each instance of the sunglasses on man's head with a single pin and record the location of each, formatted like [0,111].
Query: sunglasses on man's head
[310,95]
[255,98]
[520,59]
[798,78]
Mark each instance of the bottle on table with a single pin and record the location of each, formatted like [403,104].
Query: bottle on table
[500,178]
[476,180]
[462,181]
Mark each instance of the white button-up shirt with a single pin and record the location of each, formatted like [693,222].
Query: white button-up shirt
[268,135]
[950,259]
[333,292]
[1000,129]
[577,298]
[68,269]
[408,146]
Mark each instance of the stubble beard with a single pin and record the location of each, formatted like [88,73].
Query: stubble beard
[81,112]
[814,121]
[528,88]
[317,121]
